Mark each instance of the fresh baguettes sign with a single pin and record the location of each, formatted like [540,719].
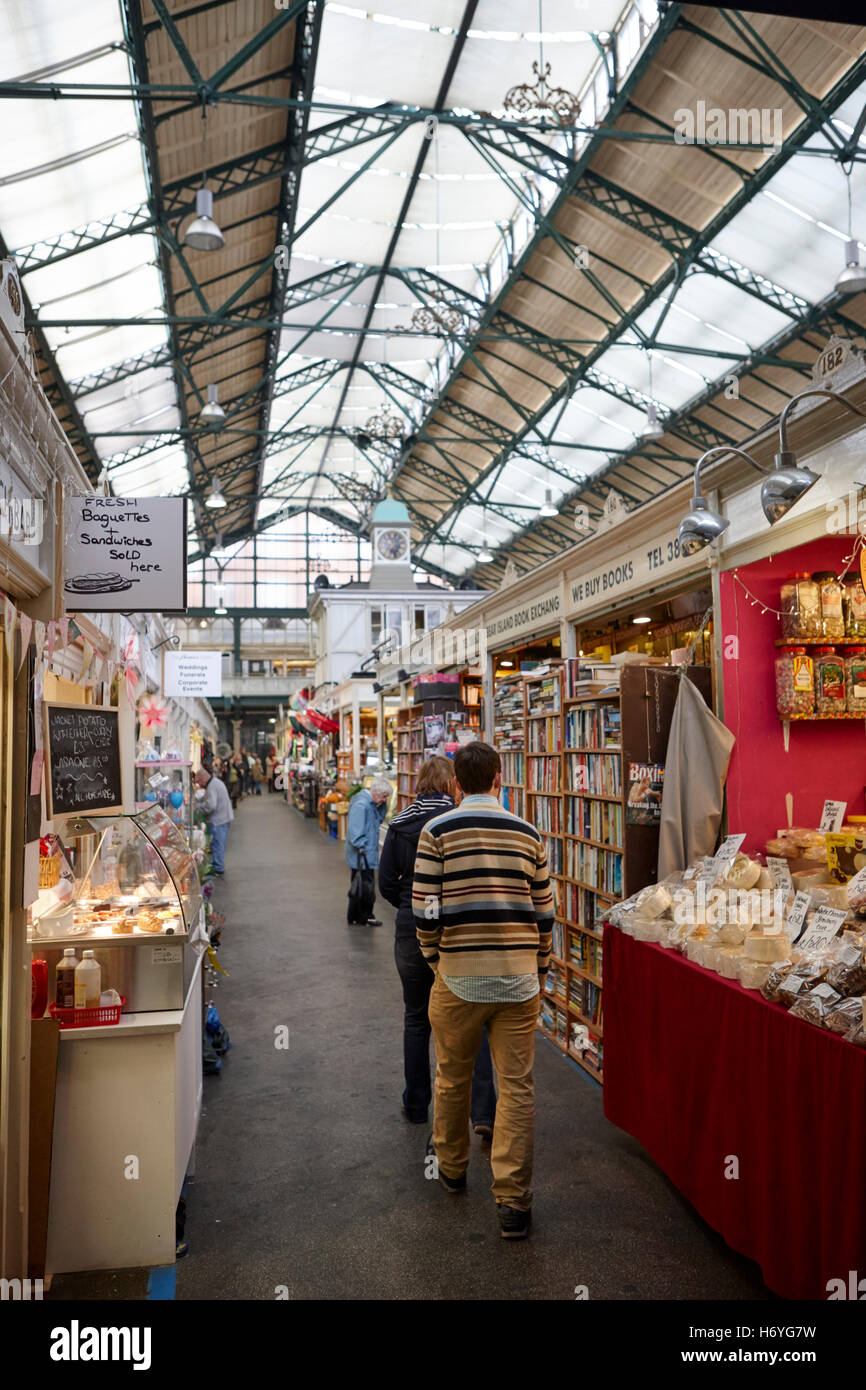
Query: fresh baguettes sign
[125,554]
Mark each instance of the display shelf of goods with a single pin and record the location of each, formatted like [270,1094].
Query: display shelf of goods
[133,876]
[166,783]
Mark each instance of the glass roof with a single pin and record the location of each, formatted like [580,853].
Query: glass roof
[77,162]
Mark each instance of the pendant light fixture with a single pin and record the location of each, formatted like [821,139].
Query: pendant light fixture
[212,413]
[548,509]
[853,278]
[652,429]
[215,498]
[219,551]
[485,554]
[203,234]
[220,609]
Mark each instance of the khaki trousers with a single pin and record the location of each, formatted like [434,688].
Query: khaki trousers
[457,1027]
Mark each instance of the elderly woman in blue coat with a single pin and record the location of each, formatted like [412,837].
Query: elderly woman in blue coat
[367,810]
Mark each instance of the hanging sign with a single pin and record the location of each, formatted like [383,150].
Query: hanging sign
[125,554]
[82,758]
[192,673]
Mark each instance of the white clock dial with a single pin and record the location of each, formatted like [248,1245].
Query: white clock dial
[392,545]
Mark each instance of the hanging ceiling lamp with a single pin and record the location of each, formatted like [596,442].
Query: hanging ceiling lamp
[220,609]
[212,413]
[547,508]
[652,428]
[219,551]
[203,234]
[485,554]
[540,101]
[215,498]
[853,278]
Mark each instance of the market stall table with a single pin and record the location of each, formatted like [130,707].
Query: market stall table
[703,1072]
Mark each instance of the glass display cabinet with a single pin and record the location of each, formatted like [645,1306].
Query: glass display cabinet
[166,782]
[129,891]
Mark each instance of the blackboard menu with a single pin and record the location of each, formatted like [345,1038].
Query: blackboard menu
[82,749]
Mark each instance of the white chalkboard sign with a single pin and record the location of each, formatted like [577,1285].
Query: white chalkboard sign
[125,554]
[82,746]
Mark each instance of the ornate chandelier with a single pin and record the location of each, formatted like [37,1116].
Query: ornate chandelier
[437,317]
[384,424]
[540,101]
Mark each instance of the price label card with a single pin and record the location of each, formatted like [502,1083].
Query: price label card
[780,897]
[727,850]
[833,815]
[157,779]
[857,885]
[708,871]
[690,873]
[166,955]
[780,872]
[823,927]
[797,915]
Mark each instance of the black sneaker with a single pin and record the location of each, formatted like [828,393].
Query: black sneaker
[514,1224]
[373,922]
[413,1119]
[452,1185]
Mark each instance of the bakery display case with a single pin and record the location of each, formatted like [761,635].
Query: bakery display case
[129,890]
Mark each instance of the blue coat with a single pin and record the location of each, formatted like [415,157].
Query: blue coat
[362,830]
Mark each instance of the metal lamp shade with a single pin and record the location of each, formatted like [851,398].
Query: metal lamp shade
[215,497]
[547,508]
[652,430]
[212,413]
[700,526]
[853,277]
[203,234]
[785,486]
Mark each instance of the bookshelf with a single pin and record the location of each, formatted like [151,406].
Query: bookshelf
[472,698]
[542,712]
[509,733]
[410,754]
[612,741]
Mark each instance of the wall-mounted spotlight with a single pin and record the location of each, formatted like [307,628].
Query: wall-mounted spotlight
[789,479]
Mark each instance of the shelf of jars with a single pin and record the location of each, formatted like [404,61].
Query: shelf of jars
[820,666]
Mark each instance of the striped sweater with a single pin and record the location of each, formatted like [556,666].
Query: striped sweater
[481,894]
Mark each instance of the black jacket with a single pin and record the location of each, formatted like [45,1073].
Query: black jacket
[397,859]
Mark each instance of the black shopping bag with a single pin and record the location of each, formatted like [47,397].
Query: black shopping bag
[362,893]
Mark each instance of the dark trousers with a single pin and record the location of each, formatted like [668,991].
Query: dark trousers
[417,979]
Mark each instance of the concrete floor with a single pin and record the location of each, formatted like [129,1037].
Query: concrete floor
[310,1185]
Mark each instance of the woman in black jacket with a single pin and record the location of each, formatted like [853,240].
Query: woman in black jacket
[435,793]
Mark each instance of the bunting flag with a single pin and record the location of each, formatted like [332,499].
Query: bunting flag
[9,616]
[52,637]
[39,637]
[25,625]
[64,632]
[86,661]
[131,684]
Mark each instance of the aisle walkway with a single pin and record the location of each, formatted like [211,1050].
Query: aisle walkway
[308,1177]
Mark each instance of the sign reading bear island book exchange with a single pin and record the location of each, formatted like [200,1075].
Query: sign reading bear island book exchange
[125,554]
[82,744]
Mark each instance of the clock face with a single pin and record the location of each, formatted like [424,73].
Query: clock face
[392,545]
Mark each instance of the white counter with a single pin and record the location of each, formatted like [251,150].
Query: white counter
[125,1118]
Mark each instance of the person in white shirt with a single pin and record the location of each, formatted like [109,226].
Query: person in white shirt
[217,807]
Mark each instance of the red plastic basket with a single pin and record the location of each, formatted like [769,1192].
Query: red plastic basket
[87,1018]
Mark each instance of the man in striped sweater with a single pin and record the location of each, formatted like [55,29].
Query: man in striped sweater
[483,909]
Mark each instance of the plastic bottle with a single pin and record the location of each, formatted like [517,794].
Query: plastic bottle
[88,980]
[64,979]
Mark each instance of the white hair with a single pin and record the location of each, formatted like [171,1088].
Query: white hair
[380,786]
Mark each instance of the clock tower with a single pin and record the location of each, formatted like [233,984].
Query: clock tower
[391,535]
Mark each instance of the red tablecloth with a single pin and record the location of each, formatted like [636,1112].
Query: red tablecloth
[701,1071]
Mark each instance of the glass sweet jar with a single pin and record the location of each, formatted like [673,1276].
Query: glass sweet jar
[832,615]
[795,685]
[801,609]
[830,697]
